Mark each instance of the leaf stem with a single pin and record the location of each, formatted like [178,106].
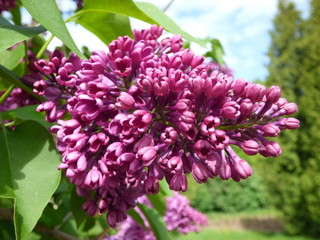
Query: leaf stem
[71,18]
[6,94]
[44,47]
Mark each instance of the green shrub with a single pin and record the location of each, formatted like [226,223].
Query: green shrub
[228,196]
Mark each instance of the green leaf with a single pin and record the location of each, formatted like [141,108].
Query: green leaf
[31,164]
[156,221]
[158,201]
[13,78]
[48,15]
[4,84]
[162,19]
[79,215]
[52,217]
[12,34]
[16,16]
[6,186]
[136,216]
[106,26]
[146,12]
[164,188]
[216,52]
[11,58]
[25,113]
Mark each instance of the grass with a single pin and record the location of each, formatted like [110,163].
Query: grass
[210,234]
[243,215]
[235,234]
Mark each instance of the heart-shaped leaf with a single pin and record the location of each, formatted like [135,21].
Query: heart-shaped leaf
[29,172]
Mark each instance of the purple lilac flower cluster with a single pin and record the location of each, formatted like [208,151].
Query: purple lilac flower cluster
[6,5]
[17,98]
[149,110]
[179,216]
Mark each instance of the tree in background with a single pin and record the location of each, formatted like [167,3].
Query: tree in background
[293,180]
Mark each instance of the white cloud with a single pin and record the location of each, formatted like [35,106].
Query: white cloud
[242,26]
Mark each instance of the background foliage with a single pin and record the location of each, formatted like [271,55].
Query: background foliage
[293,180]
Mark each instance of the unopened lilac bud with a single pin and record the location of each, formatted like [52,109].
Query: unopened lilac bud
[273,148]
[178,182]
[281,102]
[71,157]
[231,110]
[255,92]
[151,185]
[145,141]
[94,178]
[290,108]
[225,171]
[90,207]
[243,168]
[188,117]
[239,87]
[291,123]
[250,147]
[147,155]
[196,85]
[70,173]
[125,101]
[246,107]
[46,106]
[169,136]
[187,56]
[270,130]
[196,61]
[273,94]
[82,163]
[63,166]
[199,173]
[183,104]
[112,218]
[126,158]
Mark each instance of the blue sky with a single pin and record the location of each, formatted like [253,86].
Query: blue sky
[242,26]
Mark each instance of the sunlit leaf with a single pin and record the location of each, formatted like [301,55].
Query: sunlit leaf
[29,162]
[11,58]
[156,222]
[106,26]
[12,34]
[48,15]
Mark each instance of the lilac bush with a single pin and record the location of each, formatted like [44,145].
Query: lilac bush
[149,110]
[179,216]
